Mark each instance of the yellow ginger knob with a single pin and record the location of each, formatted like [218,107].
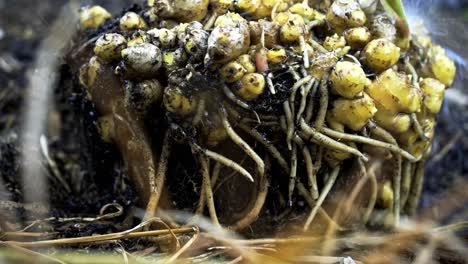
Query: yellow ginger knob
[348,79]
[381,54]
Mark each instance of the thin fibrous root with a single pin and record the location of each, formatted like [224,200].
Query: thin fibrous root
[210,22]
[294,73]
[157,184]
[416,189]
[243,145]
[253,213]
[311,173]
[208,189]
[237,115]
[328,142]
[396,174]
[228,163]
[201,200]
[305,94]
[262,40]
[272,124]
[342,51]
[326,189]
[317,46]
[415,81]
[322,113]
[311,104]
[292,173]
[315,23]
[215,174]
[283,124]
[417,127]
[231,96]
[368,141]
[227,177]
[289,123]
[406,182]
[412,70]
[268,145]
[304,71]
[354,59]
[296,86]
[269,117]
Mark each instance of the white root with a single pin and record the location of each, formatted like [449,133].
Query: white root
[243,145]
